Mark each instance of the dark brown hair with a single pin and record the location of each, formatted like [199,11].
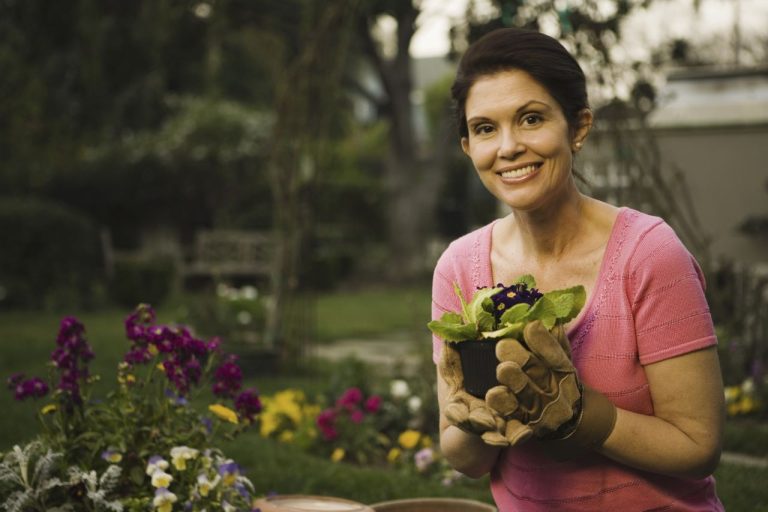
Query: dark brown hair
[541,56]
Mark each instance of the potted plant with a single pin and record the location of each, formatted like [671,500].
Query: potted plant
[496,313]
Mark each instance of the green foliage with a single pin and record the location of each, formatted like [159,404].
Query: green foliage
[49,251]
[141,279]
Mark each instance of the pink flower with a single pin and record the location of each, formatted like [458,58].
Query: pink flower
[373,403]
[351,397]
[357,416]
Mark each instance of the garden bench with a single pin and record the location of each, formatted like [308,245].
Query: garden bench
[231,254]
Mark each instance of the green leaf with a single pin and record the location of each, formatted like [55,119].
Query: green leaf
[486,321]
[514,314]
[475,307]
[526,279]
[579,299]
[464,312]
[510,330]
[544,310]
[451,331]
[563,305]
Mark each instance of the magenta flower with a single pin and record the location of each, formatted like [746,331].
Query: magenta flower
[350,398]
[357,416]
[326,422]
[372,404]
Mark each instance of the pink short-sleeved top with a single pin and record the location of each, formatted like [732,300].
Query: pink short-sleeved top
[648,305]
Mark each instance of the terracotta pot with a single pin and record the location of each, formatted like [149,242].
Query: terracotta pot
[478,364]
[433,505]
[299,503]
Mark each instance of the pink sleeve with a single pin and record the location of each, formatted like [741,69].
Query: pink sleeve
[443,298]
[666,287]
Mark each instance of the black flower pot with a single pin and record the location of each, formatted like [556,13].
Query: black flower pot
[478,364]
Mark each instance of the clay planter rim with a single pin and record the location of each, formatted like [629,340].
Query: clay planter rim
[272,504]
[433,505]
[478,365]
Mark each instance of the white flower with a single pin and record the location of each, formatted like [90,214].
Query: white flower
[244,317]
[748,386]
[164,500]
[399,388]
[204,484]
[161,479]
[249,292]
[156,463]
[423,459]
[414,404]
[180,455]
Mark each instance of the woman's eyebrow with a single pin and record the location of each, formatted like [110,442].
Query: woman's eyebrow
[527,104]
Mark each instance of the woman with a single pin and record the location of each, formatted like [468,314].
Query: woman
[643,346]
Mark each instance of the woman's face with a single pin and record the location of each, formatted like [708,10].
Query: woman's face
[519,139]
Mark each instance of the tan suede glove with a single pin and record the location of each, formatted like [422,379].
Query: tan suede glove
[541,390]
[467,412]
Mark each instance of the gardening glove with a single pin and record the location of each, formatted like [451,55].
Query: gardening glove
[541,390]
[467,412]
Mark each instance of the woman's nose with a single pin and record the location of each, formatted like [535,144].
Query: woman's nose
[510,144]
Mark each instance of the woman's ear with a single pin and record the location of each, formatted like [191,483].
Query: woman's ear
[583,126]
[465,145]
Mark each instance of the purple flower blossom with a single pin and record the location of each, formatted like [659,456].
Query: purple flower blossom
[508,296]
[228,378]
[34,387]
[14,380]
[248,404]
[357,416]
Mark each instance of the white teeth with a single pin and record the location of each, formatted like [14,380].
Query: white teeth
[519,172]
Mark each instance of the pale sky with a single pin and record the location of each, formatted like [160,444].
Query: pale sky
[665,19]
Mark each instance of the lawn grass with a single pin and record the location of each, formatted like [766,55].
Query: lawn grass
[27,339]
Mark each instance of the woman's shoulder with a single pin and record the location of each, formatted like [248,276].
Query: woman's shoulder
[471,243]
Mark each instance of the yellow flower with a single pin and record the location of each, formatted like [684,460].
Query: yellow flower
[204,484]
[161,479]
[286,436]
[426,442]
[733,409]
[747,404]
[393,454]
[224,413]
[48,409]
[732,393]
[153,350]
[180,455]
[409,439]
[337,454]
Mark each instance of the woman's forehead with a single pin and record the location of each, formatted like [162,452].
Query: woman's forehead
[508,88]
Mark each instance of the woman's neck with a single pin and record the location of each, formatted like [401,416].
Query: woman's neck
[547,234]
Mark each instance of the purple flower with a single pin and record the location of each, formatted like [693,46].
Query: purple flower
[34,387]
[248,404]
[508,296]
[228,378]
[14,380]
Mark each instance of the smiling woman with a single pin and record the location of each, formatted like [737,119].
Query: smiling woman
[643,423]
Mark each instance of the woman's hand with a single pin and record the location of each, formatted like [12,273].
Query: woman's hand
[467,412]
[541,391]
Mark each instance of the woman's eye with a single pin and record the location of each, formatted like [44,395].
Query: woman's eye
[531,119]
[483,129]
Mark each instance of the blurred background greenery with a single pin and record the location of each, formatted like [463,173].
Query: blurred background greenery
[285,174]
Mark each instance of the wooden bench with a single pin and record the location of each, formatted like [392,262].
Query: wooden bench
[230,254]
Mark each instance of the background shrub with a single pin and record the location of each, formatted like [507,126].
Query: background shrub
[142,279]
[50,253]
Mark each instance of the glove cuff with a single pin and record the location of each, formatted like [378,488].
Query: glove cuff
[596,420]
